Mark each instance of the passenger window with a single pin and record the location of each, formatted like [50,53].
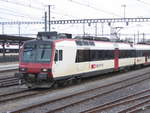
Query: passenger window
[58,55]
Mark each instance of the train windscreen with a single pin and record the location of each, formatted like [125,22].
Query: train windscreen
[36,52]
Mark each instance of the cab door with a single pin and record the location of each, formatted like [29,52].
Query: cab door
[58,63]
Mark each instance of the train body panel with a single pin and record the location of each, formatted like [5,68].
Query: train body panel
[68,58]
[142,54]
[101,65]
[65,64]
[140,60]
[71,67]
[126,62]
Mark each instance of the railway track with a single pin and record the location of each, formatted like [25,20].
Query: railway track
[79,99]
[16,95]
[8,81]
[137,100]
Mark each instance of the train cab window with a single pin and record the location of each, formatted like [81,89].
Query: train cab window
[58,55]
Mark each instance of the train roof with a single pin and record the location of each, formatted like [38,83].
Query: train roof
[93,44]
[82,44]
[142,46]
[64,39]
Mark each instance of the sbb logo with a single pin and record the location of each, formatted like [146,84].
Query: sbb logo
[93,66]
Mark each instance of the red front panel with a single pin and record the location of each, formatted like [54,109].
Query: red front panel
[34,67]
[116,59]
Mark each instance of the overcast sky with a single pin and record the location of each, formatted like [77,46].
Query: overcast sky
[33,10]
[66,9]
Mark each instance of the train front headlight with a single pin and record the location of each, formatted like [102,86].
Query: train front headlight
[44,70]
[22,69]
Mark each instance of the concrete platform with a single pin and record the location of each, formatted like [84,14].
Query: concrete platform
[8,66]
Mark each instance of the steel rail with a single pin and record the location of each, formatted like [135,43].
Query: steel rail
[87,99]
[141,104]
[127,82]
[140,109]
[120,101]
[17,95]
[8,81]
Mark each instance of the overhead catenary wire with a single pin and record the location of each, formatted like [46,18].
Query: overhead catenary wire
[95,8]
[15,13]
[58,14]
[31,6]
[64,14]
[12,12]
[143,2]
[21,4]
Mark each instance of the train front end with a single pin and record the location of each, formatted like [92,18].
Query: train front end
[35,66]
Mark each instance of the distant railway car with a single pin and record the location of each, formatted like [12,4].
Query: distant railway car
[10,48]
[44,62]
[142,54]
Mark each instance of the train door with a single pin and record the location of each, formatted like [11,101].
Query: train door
[116,59]
[146,56]
[58,63]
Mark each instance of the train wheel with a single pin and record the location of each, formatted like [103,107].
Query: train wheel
[58,84]
[61,83]
[55,85]
[66,83]
[77,80]
[70,82]
[29,87]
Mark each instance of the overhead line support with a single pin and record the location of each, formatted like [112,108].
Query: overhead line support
[81,21]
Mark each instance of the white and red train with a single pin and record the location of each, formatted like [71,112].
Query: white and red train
[10,48]
[43,62]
